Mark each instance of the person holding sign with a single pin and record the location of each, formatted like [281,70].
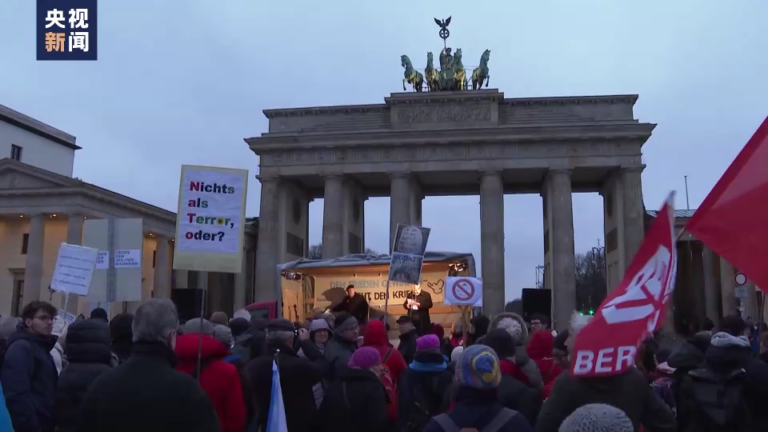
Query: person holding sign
[418,303]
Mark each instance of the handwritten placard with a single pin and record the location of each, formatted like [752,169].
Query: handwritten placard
[74,269]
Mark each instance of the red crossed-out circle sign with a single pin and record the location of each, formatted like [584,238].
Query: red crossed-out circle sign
[463,289]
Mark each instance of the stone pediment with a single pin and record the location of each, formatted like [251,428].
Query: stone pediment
[17,175]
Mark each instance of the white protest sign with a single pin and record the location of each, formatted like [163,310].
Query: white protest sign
[464,291]
[408,254]
[127,258]
[74,269]
[211,219]
[102,260]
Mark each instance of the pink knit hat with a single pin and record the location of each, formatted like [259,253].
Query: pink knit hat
[365,358]
[428,342]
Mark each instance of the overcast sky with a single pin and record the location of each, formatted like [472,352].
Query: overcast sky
[183,82]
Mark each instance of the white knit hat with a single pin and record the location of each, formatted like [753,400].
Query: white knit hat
[513,327]
[597,418]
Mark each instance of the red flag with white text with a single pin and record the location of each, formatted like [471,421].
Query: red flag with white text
[733,219]
[636,307]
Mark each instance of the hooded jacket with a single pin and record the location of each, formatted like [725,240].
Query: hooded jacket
[529,368]
[29,380]
[540,349]
[218,378]
[376,337]
[89,355]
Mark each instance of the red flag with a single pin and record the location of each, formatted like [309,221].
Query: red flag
[608,344]
[733,219]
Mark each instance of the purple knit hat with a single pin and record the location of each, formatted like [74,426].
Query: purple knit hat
[428,342]
[365,358]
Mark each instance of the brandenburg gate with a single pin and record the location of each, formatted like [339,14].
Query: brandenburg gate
[453,141]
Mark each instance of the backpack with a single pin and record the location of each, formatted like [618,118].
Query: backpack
[427,401]
[495,425]
[715,401]
[385,375]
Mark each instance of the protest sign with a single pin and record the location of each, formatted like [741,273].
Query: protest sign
[74,269]
[408,254]
[464,291]
[211,219]
[118,275]
[608,344]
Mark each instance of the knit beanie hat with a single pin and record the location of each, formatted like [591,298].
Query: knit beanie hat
[223,334]
[344,322]
[239,326]
[193,327]
[597,418]
[220,318]
[478,368]
[456,354]
[428,342]
[513,327]
[501,342]
[365,358]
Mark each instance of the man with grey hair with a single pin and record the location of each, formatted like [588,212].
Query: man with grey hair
[146,393]
[297,376]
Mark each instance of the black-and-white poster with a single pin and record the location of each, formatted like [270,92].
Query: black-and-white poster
[408,254]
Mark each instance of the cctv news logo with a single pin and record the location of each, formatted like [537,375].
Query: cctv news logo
[66,30]
[635,312]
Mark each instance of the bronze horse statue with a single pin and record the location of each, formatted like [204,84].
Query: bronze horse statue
[480,73]
[431,74]
[459,74]
[411,75]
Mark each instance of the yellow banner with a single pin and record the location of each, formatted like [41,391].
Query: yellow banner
[330,289]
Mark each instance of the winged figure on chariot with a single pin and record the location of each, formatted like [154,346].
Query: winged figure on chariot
[452,76]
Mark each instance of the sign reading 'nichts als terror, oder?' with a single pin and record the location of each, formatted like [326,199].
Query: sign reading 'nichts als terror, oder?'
[66,29]
[211,219]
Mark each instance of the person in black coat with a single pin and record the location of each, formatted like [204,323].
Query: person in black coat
[357,400]
[29,375]
[408,336]
[354,304]
[146,393]
[122,336]
[418,303]
[297,376]
[88,352]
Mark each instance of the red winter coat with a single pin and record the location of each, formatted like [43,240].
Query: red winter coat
[375,336]
[540,351]
[219,379]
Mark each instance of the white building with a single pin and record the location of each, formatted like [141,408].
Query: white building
[42,205]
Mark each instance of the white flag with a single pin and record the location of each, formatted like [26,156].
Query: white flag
[276,416]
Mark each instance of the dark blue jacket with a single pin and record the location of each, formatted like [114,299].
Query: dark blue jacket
[29,381]
[476,409]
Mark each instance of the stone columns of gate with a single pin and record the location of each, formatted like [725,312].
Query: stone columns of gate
[399,203]
[710,286]
[33,271]
[417,197]
[727,287]
[267,257]
[634,211]
[492,241]
[333,217]
[563,272]
[162,280]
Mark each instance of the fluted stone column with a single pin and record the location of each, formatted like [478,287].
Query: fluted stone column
[750,302]
[162,281]
[563,254]
[710,286]
[697,279]
[399,203]
[240,283]
[416,200]
[33,271]
[492,242]
[727,287]
[74,237]
[333,218]
[267,257]
[634,229]
[75,230]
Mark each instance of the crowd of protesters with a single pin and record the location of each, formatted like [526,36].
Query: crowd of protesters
[146,372]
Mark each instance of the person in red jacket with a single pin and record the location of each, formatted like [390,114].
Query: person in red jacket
[376,336]
[218,378]
[540,350]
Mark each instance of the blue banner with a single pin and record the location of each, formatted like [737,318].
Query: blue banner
[66,30]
